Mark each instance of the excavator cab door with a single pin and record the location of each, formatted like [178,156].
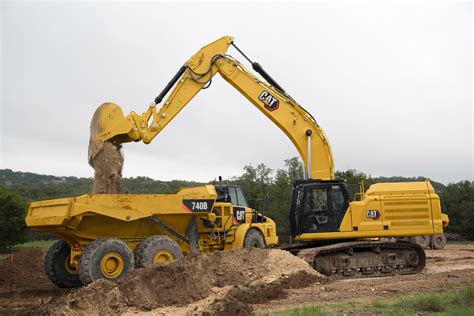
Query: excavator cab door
[317,206]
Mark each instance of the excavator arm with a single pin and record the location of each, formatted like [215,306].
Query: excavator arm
[196,74]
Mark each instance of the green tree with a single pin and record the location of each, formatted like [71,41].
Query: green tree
[294,169]
[458,202]
[12,219]
[280,191]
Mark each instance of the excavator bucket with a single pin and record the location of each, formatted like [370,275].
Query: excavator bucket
[107,123]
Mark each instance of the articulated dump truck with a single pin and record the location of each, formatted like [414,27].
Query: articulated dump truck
[107,235]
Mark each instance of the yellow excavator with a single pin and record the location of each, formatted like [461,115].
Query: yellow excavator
[336,236]
[327,227]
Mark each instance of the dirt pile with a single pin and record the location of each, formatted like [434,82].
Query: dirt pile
[224,282]
[23,283]
[13,268]
[25,289]
[107,165]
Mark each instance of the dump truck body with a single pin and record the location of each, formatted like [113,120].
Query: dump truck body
[196,219]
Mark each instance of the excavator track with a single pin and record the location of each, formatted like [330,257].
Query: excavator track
[362,259]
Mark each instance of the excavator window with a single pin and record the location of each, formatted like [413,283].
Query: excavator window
[320,206]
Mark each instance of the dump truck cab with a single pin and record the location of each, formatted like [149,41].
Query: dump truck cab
[235,222]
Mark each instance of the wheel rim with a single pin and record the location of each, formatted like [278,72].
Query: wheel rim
[70,268]
[163,256]
[112,265]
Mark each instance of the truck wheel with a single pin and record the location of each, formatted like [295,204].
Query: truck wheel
[156,250]
[105,258]
[57,267]
[253,239]
[439,241]
[423,241]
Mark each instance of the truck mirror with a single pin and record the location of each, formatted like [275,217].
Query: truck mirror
[211,217]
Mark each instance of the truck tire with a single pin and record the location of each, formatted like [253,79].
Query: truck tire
[156,250]
[438,241]
[253,239]
[57,268]
[105,258]
[423,241]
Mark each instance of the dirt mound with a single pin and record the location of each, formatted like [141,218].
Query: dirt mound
[23,283]
[107,165]
[228,281]
[17,269]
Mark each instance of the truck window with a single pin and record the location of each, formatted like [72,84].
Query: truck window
[241,198]
[233,195]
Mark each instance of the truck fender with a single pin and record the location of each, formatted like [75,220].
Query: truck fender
[239,234]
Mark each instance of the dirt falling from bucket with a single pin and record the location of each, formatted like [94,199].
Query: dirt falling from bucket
[107,165]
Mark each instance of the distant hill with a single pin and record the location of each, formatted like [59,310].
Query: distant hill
[457,198]
[32,186]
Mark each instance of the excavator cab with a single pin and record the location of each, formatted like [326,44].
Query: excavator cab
[317,206]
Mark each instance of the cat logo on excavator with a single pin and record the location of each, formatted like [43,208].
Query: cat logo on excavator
[271,103]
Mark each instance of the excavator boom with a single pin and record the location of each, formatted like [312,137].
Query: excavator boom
[196,74]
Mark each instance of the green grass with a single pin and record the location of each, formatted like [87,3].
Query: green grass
[44,244]
[454,302]
[303,311]
[461,242]
[457,302]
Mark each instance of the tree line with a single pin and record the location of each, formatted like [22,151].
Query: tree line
[266,190]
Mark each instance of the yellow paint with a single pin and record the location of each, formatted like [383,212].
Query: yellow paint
[406,209]
[70,268]
[83,219]
[163,256]
[111,265]
[292,119]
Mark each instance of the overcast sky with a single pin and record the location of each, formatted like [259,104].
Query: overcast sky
[390,84]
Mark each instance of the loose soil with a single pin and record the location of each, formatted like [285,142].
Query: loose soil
[106,158]
[237,277]
[231,282]
[107,165]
